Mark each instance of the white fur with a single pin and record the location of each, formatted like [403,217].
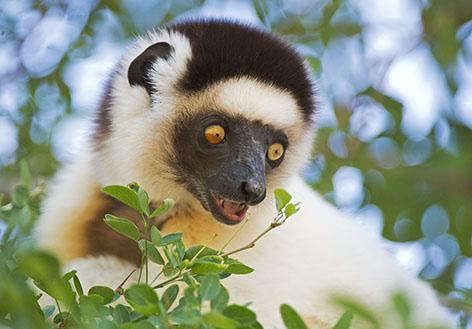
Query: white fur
[258,101]
[316,254]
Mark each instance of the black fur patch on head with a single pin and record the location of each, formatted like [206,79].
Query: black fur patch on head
[139,68]
[222,50]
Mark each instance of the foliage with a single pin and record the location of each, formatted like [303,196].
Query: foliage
[202,303]
[416,172]
[187,292]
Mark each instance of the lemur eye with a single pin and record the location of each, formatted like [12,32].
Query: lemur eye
[215,134]
[275,151]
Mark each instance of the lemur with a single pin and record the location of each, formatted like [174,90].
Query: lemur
[217,114]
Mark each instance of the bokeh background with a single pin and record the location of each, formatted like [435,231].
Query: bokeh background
[395,99]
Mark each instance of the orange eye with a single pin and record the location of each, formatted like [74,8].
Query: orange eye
[275,151]
[215,134]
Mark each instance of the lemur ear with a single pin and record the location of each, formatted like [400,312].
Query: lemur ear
[139,68]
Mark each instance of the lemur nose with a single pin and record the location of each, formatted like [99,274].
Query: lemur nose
[255,190]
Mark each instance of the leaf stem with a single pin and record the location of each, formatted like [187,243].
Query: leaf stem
[174,278]
[119,289]
[253,242]
[234,235]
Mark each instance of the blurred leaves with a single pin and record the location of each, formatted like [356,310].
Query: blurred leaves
[403,175]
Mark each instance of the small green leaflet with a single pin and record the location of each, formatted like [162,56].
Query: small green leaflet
[123,194]
[143,299]
[156,236]
[291,318]
[345,321]
[169,296]
[104,292]
[123,226]
[163,208]
[210,287]
[282,198]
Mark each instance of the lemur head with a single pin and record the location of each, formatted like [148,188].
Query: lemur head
[212,113]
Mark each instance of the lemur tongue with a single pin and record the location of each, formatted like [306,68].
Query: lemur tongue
[234,210]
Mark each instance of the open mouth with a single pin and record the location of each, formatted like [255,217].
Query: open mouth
[232,210]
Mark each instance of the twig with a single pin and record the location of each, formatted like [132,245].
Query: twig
[174,278]
[456,304]
[253,242]
[157,276]
[119,289]
[234,235]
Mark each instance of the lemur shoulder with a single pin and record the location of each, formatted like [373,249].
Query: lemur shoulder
[216,115]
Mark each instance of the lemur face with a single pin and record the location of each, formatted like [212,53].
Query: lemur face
[216,112]
[224,160]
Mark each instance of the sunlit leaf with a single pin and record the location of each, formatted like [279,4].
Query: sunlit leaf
[217,320]
[345,321]
[143,299]
[123,194]
[171,238]
[291,318]
[104,292]
[123,226]
[166,205]
[210,287]
[169,296]
[282,198]
[156,236]
[241,314]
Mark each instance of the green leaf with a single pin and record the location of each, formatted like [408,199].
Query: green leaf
[403,308]
[69,275]
[169,270]
[152,253]
[170,238]
[167,204]
[242,314]
[357,309]
[169,296]
[62,317]
[156,236]
[78,285]
[120,314]
[44,269]
[290,210]
[345,321]
[143,299]
[143,199]
[213,258]
[217,320]
[20,196]
[104,292]
[210,287]
[123,226]
[315,63]
[25,175]
[220,302]
[291,318]
[202,267]
[142,324]
[199,251]
[282,198]
[239,268]
[123,194]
